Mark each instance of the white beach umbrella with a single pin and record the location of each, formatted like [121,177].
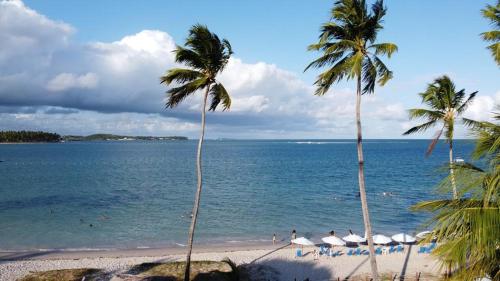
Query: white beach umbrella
[354,238]
[333,240]
[303,241]
[381,239]
[423,234]
[403,238]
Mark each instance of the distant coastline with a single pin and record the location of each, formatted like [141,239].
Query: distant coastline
[23,137]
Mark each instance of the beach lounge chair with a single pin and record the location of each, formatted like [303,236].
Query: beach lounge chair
[430,248]
[298,254]
[365,252]
[357,252]
[400,249]
[350,252]
[378,251]
[391,249]
[422,250]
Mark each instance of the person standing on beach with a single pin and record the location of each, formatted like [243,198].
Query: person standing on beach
[274,239]
[294,234]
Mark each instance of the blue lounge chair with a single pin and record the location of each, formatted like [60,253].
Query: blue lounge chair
[392,249]
[400,248]
[299,253]
[357,252]
[351,251]
[422,250]
[378,251]
[430,248]
[365,252]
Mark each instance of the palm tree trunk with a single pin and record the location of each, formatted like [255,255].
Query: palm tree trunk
[198,190]
[452,175]
[362,190]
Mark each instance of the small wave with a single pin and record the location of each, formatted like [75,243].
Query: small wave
[179,244]
[321,142]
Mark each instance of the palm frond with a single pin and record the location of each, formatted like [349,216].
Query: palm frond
[495,51]
[180,75]
[462,107]
[383,72]
[177,94]
[219,94]
[420,128]
[425,114]
[433,143]
[384,49]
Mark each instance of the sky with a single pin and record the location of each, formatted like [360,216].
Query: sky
[84,67]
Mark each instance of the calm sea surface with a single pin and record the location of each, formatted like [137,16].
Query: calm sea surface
[140,194]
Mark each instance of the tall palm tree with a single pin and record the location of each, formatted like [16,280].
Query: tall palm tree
[206,56]
[492,13]
[469,229]
[348,47]
[445,105]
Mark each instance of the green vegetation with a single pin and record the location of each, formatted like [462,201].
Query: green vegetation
[65,275]
[445,105]
[492,13]
[468,229]
[107,137]
[207,56]
[348,47]
[28,136]
[225,270]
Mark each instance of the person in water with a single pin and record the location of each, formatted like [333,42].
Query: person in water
[332,233]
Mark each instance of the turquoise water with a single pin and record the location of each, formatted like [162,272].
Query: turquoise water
[140,194]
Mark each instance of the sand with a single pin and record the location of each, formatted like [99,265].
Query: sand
[277,262]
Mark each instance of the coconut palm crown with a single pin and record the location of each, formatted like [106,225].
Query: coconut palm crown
[492,13]
[206,55]
[348,45]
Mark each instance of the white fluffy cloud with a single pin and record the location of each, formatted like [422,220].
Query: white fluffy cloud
[48,81]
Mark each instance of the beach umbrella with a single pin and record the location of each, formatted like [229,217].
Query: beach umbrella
[403,238]
[423,234]
[381,239]
[303,241]
[333,240]
[354,238]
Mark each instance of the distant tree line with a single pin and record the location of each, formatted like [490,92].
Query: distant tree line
[28,136]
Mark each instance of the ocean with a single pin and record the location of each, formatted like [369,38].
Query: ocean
[134,194]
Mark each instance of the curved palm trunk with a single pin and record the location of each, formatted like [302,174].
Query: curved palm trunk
[452,175]
[198,190]
[362,190]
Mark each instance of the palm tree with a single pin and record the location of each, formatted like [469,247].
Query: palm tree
[492,13]
[469,229]
[348,47]
[445,105]
[206,55]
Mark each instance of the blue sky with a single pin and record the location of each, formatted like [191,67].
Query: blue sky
[434,38]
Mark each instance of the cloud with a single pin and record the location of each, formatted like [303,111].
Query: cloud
[65,81]
[47,80]
[482,107]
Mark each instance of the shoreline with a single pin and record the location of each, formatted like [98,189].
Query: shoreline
[54,254]
[279,261]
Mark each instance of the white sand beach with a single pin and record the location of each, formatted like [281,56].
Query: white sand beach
[278,262]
